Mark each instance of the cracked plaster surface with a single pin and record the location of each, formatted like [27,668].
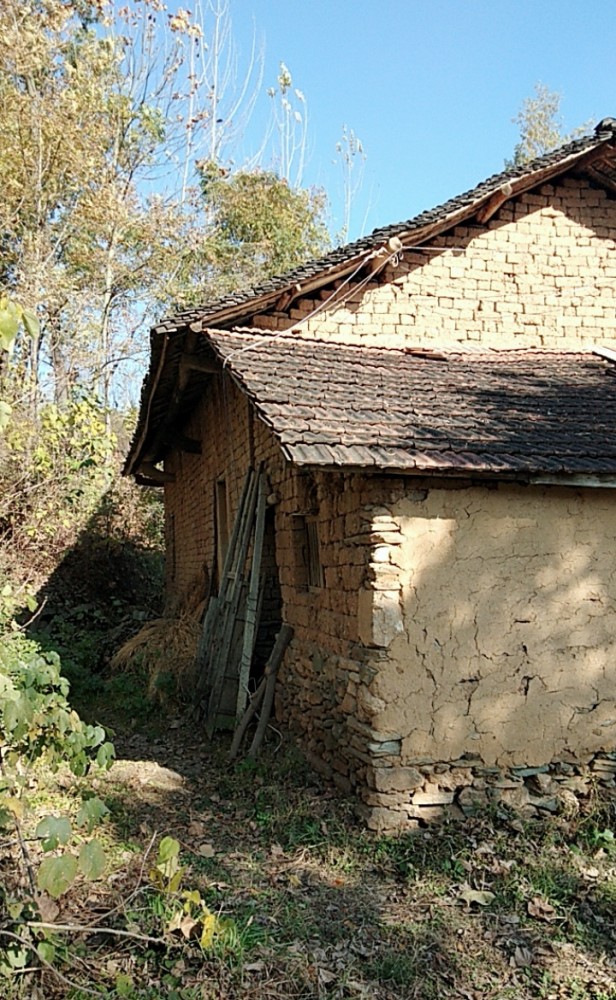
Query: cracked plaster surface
[508,611]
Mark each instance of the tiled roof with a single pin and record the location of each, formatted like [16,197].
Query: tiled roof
[522,413]
[552,163]
[167,337]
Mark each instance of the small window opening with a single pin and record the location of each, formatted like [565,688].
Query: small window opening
[308,552]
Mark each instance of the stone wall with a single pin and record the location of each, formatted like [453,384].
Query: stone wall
[540,273]
[399,797]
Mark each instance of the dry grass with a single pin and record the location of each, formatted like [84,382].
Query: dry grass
[164,649]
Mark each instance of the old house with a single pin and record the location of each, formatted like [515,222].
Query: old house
[434,407]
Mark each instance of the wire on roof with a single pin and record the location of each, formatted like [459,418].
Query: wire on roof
[393,256]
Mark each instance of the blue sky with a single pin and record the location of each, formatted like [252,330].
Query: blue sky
[429,86]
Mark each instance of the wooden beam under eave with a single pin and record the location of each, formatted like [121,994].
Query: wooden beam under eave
[492,206]
[145,481]
[157,476]
[190,363]
[601,179]
[175,439]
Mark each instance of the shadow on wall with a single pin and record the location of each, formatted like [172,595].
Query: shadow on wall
[509,596]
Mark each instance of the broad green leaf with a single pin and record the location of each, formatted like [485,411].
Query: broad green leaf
[13,805]
[17,714]
[16,956]
[53,830]
[9,325]
[124,985]
[175,880]
[95,735]
[56,875]
[91,813]
[30,322]
[105,755]
[92,860]
[167,849]
[46,951]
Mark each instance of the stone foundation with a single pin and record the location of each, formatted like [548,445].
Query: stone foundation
[404,798]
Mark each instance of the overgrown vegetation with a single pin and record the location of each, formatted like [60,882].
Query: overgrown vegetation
[257,881]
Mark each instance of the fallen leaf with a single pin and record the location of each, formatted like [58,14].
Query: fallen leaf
[174,923]
[47,907]
[481,896]
[254,967]
[187,926]
[541,909]
[276,850]
[206,851]
[294,881]
[326,976]
[196,829]
[521,958]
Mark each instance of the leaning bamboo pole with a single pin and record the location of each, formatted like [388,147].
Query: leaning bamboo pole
[264,694]
[252,600]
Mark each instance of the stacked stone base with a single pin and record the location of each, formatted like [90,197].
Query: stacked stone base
[406,798]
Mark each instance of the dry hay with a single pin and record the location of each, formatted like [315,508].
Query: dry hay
[164,648]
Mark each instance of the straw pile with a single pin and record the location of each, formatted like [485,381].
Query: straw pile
[165,650]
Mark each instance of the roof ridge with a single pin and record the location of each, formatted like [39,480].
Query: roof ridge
[605,130]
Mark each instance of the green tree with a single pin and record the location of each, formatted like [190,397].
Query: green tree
[106,219]
[541,126]
[258,226]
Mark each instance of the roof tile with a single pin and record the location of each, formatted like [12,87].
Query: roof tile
[509,412]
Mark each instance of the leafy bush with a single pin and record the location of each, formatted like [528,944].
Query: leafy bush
[37,723]
[36,719]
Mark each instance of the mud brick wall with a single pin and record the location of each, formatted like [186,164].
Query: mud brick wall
[540,273]
[459,651]
[325,674]
[222,424]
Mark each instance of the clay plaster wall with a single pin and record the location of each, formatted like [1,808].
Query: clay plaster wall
[500,637]
[541,272]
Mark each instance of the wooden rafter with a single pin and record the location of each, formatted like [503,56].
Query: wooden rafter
[156,477]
